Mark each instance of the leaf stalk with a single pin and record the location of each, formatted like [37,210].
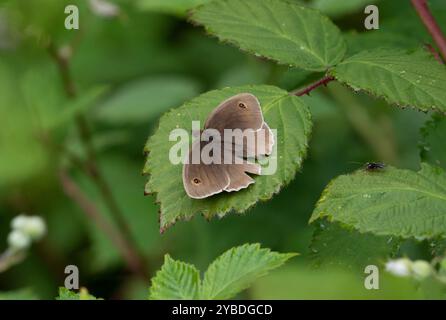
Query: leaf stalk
[306,90]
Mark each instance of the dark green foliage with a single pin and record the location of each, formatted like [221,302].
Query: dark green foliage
[134,72]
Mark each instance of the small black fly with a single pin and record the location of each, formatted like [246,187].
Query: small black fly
[374,166]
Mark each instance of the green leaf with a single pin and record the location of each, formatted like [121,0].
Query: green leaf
[288,114]
[230,273]
[282,31]
[406,79]
[433,148]
[335,245]
[388,202]
[53,109]
[19,133]
[237,268]
[176,7]
[176,280]
[66,294]
[145,99]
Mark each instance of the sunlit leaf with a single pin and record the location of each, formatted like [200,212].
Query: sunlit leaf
[232,272]
[388,201]
[279,30]
[406,79]
[66,294]
[237,268]
[176,280]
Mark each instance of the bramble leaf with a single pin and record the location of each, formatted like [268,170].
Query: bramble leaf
[389,201]
[334,245]
[288,114]
[406,79]
[282,31]
[66,294]
[227,276]
[237,268]
[175,280]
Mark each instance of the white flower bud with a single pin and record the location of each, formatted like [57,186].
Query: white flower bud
[421,269]
[35,227]
[104,8]
[32,226]
[19,222]
[399,267]
[17,240]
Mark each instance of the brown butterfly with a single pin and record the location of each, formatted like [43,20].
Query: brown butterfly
[241,113]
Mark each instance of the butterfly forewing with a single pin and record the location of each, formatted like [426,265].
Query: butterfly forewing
[241,111]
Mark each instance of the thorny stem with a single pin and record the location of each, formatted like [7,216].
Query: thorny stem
[431,25]
[323,81]
[92,169]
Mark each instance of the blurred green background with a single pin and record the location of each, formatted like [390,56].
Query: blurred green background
[128,69]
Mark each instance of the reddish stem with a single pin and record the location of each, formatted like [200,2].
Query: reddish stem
[73,191]
[434,52]
[431,25]
[91,167]
[311,87]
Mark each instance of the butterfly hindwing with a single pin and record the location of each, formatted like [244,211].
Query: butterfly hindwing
[203,180]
